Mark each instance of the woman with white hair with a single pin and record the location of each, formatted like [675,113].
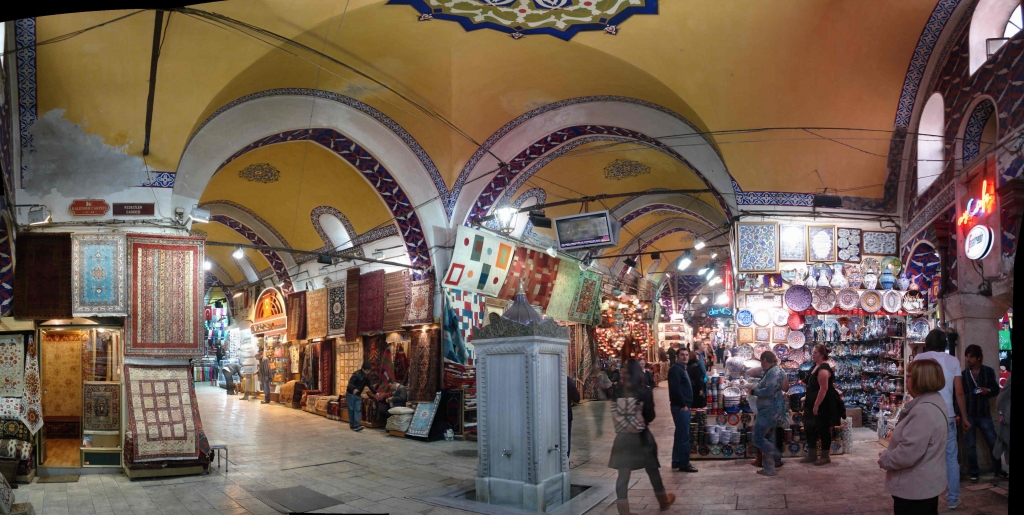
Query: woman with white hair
[771,410]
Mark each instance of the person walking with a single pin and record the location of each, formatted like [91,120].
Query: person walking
[915,462]
[264,375]
[771,411]
[673,351]
[573,395]
[935,348]
[680,395]
[634,447]
[819,413]
[980,386]
[359,381]
[700,388]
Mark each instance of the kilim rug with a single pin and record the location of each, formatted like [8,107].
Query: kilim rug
[371,302]
[98,271]
[352,304]
[586,299]
[373,348]
[165,283]
[101,406]
[326,367]
[297,316]
[348,357]
[387,364]
[469,309]
[537,271]
[336,310]
[42,284]
[480,262]
[421,302]
[396,287]
[31,410]
[316,313]
[13,429]
[294,358]
[562,295]
[161,412]
[12,365]
[424,364]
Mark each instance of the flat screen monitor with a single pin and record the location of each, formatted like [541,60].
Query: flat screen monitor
[588,230]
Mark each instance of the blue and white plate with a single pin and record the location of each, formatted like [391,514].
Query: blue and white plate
[744,318]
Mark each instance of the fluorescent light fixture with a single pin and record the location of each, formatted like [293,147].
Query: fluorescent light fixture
[200,215]
[714,254]
[702,271]
[711,273]
[703,299]
[239,294]
[238,253]
[552,252]
[38,215]
[722,299]
[685,261]
[699,245]
[715,281]
[207,265]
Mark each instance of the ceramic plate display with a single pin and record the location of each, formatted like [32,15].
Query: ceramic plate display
[745,351]
[757,247]
[894,263]
[788,275]
[721,419]
[780,317]
[795,322]
[848,299]
[727,450]
[745,334]
[871,301]
[870,266]
[762,334]
[913,301]
[883,243]
[781,351]
[798,298]
[716,450]
[758,350]
[848,244]
[790,364]
[792,246]
[780,333]
[795,339]
[823,299]
[703,450]
[762,317]
[734,419]
[919,326]
[853,275]
[744,318]
[892,301]
[741,450]
[794,448]
[821,243]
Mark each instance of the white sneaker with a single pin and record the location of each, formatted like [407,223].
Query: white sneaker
[954,505]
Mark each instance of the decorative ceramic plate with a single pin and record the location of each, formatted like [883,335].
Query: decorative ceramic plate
[720,420]
[894,263]
[745,351]
[870,266]
[790,364]
[726,450]
[848,298]
[716,450]
[798,298]
[741,450]
[797,390]
[762,334]
[832,364]
[796,322]
[758,350]
[920,327]
[780,333]
[781,351]
[836,446]
[734,420]
[744,318]
[703,450]
[794,448]
[780,317]
[795,339]
[745,334]
[913,301]
[871,301]
[745,418]
[892,301]
[823,299]
[762,317]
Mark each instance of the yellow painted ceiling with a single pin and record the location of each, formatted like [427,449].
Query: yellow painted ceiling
[222,255]
[310,176]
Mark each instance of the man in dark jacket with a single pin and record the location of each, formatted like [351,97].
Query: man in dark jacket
[574,398]
[696,376]
[980,385]
[264,375]
[680,396]
[353,395]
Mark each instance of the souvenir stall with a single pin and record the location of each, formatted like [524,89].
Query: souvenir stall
[624,331]
[269,327]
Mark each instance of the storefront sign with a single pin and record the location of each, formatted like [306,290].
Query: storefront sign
[978,242]
[978,206]
[145,209]
[719,312]
[269,315]
[89,207]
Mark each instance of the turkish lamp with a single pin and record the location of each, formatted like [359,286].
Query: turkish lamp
[506,217]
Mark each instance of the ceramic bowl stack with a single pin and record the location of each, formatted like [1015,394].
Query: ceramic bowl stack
[731,397]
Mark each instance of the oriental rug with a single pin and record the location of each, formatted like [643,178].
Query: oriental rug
[6,264]
[31,412]
[396,287]
[12,365]
[401,362]
[62,384]
[326,367]
[371,302]
[42,284]
[101,406]
[562,295]
[587,298]
[15,449]
[421,302]
[10,407]
[423,418]
[537,271]
[424,364]
[98,272]
[373,350]
[165,282]
[348,357]
[352,304]
[336,312]
[480,262]
[387,365]
[162,412]
[15,429]
[297,316]
[316,313]
[294,358]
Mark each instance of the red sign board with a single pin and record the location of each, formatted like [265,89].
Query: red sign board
[142,208]
[89,207]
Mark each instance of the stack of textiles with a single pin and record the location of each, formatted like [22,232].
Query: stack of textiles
[458,376]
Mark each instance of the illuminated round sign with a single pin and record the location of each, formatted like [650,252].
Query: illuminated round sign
[979,242]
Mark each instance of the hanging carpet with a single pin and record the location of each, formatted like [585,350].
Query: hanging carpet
[396,287]
[564,292]
[352,304]
[424,364]
[297,316]
[162,413]
[336,312]
[42,284]
[12,365]
[480,262]
[165,283]
[537,271]
[316,314]
[102,406]
[421,302]
[31,409]
[98,275]
[371,302]
[586,301]
[326,367]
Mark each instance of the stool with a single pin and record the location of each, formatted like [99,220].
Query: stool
[218,447]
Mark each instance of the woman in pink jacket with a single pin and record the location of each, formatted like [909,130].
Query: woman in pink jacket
[915,462]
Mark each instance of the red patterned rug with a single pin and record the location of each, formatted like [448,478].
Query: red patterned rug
[352,304]
[326,367]
[316,313]
[424,365]
[297,316]
[371,302]
[165,282]
[421,302]
[42,284]
[537,271]
[585,303]
[162,413]
[396,287]
[373,350]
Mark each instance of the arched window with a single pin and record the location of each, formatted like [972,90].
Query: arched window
[336,231]
[994,22]
[930,155]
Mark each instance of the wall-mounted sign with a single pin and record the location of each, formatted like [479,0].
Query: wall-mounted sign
[979,242]
[719,312]
[269,315]
[978,206]
[142,208]
[89,207]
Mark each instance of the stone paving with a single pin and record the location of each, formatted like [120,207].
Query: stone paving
[275,447]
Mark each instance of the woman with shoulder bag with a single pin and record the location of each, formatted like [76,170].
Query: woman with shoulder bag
[915,462]
[634,447]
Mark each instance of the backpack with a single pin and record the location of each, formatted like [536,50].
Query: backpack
[627,415]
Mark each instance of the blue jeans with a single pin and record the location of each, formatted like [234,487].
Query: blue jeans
[681,441]
[355,408]
[266,391]
[952,464]
[762,426]
[988,432]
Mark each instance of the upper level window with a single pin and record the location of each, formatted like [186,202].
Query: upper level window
[930,148]
[994,22]
[340,238]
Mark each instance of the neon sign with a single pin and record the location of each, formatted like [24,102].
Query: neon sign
[978,206]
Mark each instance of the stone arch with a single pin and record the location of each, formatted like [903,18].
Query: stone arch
[931,148]
[923,262]
[275,259]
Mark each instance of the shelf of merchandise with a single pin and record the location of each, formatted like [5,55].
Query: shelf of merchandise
[664,332]
[467,419]
[276,350]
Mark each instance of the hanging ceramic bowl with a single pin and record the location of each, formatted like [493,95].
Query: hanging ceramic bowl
[744,318]
[892,262]
[780,317]
[871,301]
[762,317]
[892,301]
[795,321]
[823,299]
[796,339]
[798,298]
[848,299]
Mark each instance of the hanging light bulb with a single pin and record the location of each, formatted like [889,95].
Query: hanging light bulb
[238,254]
[207,265]
[714,254]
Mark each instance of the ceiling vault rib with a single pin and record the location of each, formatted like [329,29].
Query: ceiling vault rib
[158,23]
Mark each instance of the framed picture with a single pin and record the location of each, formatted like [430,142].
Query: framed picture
[762,334]
[848,242]
[792,243]
[821,243]
[757,245]
[882,243]
[423,418]
[780,334]
[745,334]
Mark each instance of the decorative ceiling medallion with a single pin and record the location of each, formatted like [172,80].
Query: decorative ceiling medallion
[560,18]
[260,172]
[625,169]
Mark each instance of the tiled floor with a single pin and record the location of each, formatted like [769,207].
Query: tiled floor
[274,447]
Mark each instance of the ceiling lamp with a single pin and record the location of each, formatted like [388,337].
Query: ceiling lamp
[200,215]
[238,253]
[552,252]
[699,245]
[685,261]
[207,265]
[715,281]
[722,299]
[506,217]
[703,299]
[711,274]
[714,254]
[703,270]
